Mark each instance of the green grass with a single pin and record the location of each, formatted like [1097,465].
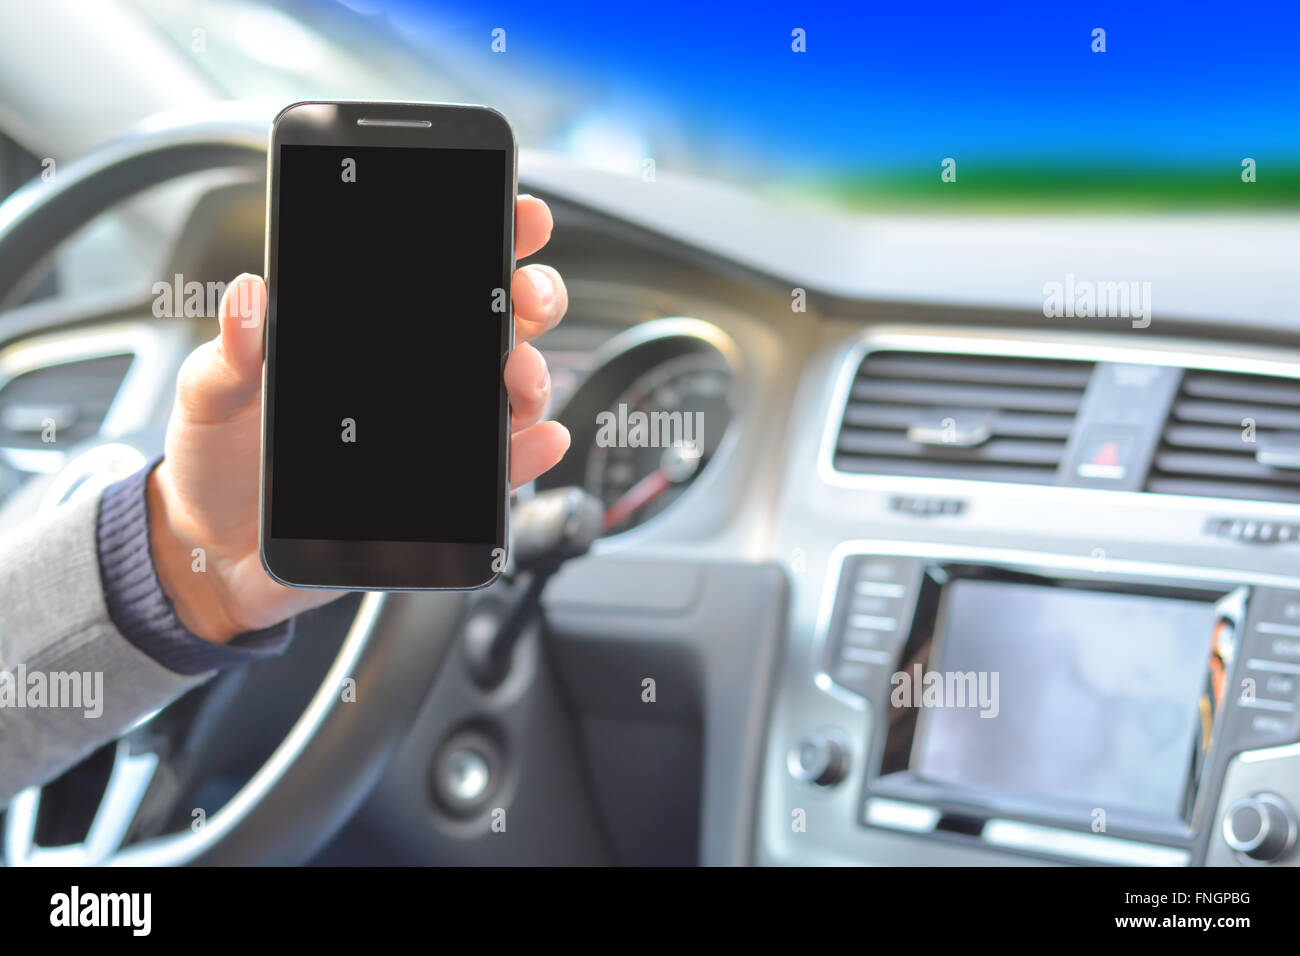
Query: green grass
[1053,187]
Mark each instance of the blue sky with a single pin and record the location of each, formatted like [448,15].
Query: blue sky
[890,85]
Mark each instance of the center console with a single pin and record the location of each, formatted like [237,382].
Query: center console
[1060,709]
[993,666]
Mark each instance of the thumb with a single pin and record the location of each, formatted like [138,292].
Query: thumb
[220,377]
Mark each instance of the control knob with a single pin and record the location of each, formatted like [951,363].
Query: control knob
[821,759]
[1261,827]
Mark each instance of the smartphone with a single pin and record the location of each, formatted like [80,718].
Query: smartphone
[385,422]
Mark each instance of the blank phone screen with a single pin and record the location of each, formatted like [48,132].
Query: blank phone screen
[388,329]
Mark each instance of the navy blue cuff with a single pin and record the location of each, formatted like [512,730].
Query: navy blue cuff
[140,609]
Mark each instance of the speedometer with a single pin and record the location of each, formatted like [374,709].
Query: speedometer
[657,436]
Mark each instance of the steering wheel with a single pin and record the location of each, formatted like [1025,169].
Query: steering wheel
[326,765]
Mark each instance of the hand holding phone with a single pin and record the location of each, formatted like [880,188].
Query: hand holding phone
[204,496]
[386,422]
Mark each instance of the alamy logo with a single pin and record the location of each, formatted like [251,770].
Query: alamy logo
[638,429]
[202,300]
[56,690]
[1106,300]
[945,689]
[74,908]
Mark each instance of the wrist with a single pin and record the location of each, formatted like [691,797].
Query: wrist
[180,563]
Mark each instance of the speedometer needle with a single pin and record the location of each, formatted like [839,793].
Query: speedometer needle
[677,464]
[637,497]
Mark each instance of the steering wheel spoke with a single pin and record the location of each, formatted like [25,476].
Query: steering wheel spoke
[127,784]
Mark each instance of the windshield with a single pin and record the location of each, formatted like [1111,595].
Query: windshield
[890,105]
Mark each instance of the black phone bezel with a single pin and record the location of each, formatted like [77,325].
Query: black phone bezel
[385,565]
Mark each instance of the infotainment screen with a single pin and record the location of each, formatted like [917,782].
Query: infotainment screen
[1096,695]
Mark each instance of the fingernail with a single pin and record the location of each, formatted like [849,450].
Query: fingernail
[244,300]
[543,285]
[544,383]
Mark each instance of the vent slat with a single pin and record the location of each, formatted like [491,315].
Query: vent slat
[1024,410]
[1221,466]
[1011,424]
[977,370]
[1164,485]
[1209,438]
[942,395]
[1217,424]
[1003,450]
[930,469]
[1237,389]
[1220,413]
[84,389]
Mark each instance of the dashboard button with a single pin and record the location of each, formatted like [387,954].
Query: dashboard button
[857,676]
[1281,646]
[854,637]
[1264,723]
[1266,730]
[879,589]
[880,569]
[866,604]
[874,604]
[1278,685]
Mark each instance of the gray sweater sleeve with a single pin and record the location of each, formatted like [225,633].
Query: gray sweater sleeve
[137,604]
[89,641]
[69,680]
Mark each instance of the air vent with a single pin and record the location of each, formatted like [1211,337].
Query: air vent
[1231,435]
[939,415]
[75,396]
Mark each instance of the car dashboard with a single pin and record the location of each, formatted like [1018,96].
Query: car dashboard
[880,464]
